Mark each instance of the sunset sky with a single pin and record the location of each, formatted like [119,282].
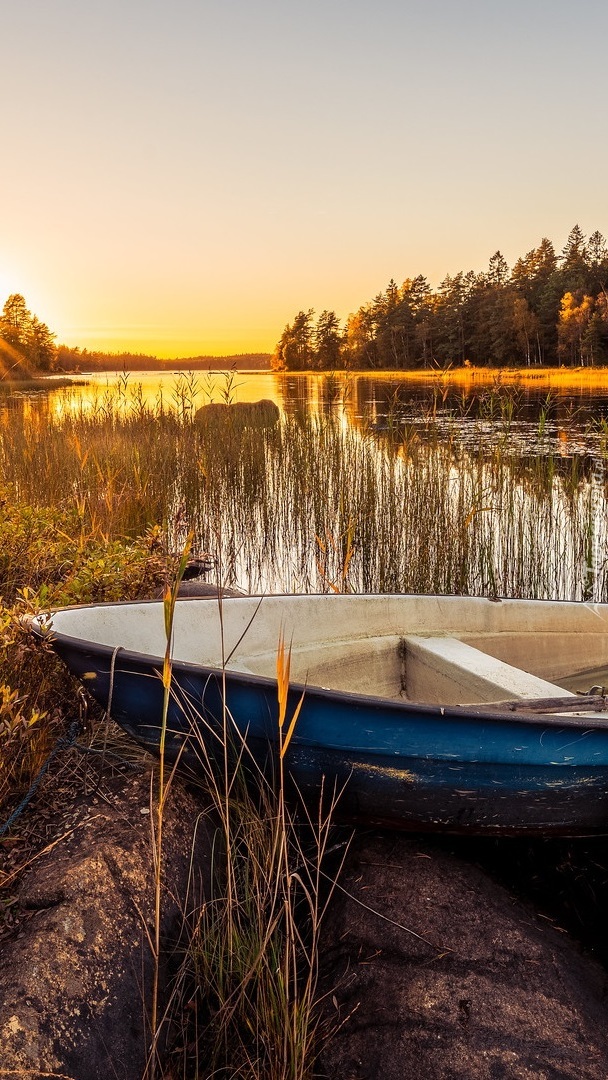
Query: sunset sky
[182,178]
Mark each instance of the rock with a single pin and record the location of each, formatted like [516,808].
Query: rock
[483,989]
[241,414]
[488,990]
[205,588]
[197,566]
[75,985]
[199,588]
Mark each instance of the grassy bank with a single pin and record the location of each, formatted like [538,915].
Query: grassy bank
[551,378]
[47,560]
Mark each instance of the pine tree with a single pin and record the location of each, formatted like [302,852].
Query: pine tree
[327,342]
[30,341]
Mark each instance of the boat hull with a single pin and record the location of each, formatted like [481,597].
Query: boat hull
[400,765]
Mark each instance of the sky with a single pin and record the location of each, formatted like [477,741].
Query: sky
[183,178]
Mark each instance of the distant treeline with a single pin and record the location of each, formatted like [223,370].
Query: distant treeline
[86,360]
[27,348]
[549,309]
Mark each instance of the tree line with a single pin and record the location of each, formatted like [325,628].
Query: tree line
[549,309]
[85,360]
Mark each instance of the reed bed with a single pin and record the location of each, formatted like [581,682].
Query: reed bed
[566,378]
[314,504]
[247,1001]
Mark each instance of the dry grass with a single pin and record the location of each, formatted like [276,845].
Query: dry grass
[246,1003]
[551,378]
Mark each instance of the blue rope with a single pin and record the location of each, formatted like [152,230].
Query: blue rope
[63,743]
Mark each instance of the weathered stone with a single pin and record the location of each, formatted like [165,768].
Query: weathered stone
[75,985]
[205,589]
[241,414]
[485,991]
[492,991]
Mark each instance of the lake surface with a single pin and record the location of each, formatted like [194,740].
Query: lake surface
[563,412]
[538,416]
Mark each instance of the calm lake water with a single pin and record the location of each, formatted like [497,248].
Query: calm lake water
[541,414]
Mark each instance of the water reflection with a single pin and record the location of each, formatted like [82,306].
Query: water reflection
[559,418]
[380,400]
[562,420]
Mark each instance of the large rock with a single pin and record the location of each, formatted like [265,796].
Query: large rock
[241,414]
[75,985]
[481,989]
[487,991]
[202,589]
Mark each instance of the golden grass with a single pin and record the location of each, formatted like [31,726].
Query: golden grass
[246,1002]
[552,378]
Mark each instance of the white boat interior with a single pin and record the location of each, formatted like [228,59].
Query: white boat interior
[439,650]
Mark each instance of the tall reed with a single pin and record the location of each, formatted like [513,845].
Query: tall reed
[312,503]
[246,1001]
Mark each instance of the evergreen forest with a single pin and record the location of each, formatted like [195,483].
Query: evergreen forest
[27,346]
[550,309]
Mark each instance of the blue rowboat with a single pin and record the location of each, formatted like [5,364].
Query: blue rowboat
[433,713]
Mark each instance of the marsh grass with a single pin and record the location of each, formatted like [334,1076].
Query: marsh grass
[246,1002]
[314,504]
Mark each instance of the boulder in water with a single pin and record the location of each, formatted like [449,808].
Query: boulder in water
[241,414]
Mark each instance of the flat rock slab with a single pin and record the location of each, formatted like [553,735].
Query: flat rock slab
[75,985]
[493,992]
[483,989]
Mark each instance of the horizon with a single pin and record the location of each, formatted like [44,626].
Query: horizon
[182,183]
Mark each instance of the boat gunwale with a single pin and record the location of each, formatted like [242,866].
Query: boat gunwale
[474,711]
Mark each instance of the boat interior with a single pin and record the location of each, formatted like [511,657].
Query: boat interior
[476,655]
[434,650]
[439,669]
[449,668]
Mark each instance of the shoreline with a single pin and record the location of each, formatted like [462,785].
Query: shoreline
[559,377]
[497,376]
